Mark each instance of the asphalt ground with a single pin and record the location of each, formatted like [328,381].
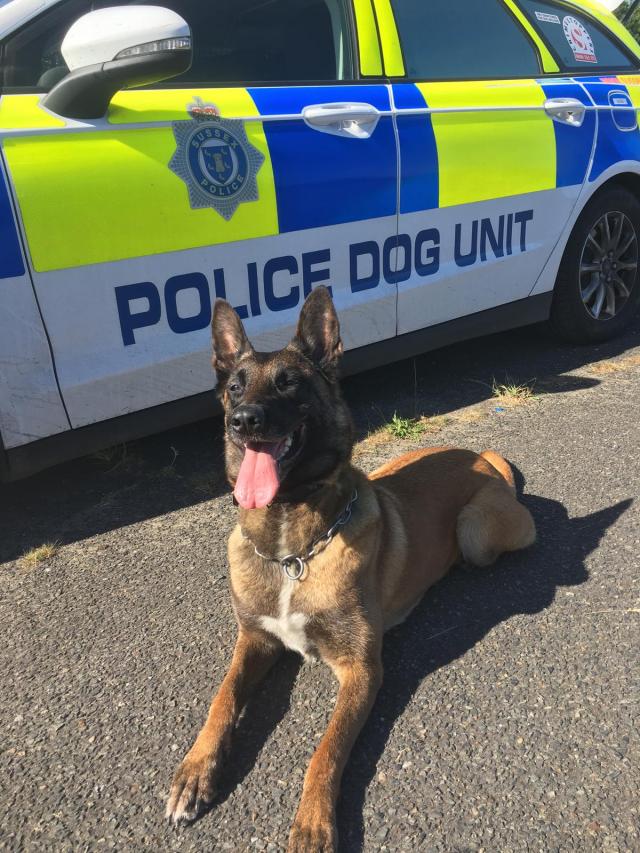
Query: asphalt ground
[509,717]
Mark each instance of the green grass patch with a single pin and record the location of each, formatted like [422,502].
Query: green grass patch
[412,428]
[512,394]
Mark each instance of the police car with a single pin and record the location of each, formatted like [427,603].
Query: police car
[447,168]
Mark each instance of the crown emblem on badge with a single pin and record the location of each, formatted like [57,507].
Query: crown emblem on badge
[198,109]
[215,160]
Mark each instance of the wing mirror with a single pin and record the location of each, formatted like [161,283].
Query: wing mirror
[118,48]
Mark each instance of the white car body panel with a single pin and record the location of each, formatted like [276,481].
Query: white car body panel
[31,407]
[102,378]
[455,292]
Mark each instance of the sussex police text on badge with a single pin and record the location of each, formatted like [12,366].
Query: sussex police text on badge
[283,282]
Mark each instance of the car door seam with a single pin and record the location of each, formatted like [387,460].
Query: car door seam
[29,273]
[596,134]
[394,119]
[589,168]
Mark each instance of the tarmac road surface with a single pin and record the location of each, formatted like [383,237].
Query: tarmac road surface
[509,719]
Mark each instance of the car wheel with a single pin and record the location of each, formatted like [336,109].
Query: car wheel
[598,288]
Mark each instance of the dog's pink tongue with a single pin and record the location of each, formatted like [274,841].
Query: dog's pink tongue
[257,483]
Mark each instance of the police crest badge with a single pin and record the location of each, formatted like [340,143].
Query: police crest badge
[215,160]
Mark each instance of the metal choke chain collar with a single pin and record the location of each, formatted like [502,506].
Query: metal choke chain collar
[293,565]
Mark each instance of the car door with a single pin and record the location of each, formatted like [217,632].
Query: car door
[254,177]
[600,55]
[605,64]
[495,145]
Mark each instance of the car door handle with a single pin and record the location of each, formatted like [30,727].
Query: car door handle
[357,121]
[569,111]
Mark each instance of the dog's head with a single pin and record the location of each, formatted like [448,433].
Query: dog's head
[286,424]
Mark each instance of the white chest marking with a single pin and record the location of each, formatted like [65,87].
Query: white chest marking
[288,627]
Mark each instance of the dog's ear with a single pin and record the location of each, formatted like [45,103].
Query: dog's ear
[230,341]
[318,333]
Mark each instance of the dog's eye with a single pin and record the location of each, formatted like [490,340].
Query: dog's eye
[285,382]
[235,388]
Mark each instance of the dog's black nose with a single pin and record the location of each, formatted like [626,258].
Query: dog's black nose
[248,420]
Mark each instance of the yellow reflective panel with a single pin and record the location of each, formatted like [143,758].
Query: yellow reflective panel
[24,112]
[99,196]
[598,11]
[368,44]
[391,50]
[484,155]
[171,104]
[549,65]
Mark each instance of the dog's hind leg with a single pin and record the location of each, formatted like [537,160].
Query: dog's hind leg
[493,522]
[194,784]
[502,467]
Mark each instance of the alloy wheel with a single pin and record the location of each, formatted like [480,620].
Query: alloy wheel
[608,266]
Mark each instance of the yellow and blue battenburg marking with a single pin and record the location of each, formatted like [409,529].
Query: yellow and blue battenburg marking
[457,158]
[618,134]
[208,171]
[11,263]
[114,186]
[574,145]
[321,179]
[110,194]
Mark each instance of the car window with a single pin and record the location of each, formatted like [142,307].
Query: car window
[577,40]
[234,41]
[472,40]
[31,58]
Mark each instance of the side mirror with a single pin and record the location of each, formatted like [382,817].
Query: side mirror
[118,48]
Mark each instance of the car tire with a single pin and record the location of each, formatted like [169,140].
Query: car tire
[597,291]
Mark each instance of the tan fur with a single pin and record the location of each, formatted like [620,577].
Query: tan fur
[414,519]
[501,466]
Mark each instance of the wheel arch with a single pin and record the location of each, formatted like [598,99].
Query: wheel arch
[627,178]
[568,319]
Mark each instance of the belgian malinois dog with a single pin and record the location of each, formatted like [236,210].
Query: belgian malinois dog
[324,559]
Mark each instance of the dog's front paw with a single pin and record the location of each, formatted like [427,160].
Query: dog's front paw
[314,830]
[193,788]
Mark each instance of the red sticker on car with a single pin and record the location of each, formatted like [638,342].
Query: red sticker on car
[579,40]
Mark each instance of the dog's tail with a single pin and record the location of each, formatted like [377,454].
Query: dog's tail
[502,467]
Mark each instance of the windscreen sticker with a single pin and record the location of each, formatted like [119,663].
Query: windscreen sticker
[547,18]
[579,40]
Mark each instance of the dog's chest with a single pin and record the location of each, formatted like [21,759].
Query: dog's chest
[288,626]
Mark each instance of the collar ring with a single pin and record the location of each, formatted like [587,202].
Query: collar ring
[288,564]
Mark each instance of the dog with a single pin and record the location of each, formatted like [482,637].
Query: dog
[325,559]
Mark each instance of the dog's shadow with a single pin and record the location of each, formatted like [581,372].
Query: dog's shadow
[455,616]
[452,618]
